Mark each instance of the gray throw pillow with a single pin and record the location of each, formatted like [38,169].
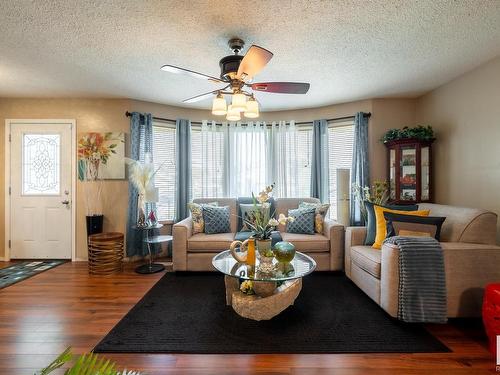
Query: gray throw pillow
[304,221]
[216,219]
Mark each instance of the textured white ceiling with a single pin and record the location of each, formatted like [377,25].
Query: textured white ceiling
[347,50]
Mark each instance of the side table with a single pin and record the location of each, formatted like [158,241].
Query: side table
[152,267]
[105,253]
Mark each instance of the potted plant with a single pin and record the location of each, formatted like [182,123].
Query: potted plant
[263,223]
[378,194]
[420,132]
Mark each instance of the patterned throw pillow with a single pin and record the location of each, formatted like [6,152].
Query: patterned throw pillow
[304,221]
[216,219]
[321,210]
[197,215]
[248,213]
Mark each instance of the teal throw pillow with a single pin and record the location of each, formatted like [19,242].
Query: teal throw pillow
[216,219]
[304,221]
[371,222]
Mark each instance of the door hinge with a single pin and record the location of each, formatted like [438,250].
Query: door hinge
[9,244]
[10,137]
[10,190]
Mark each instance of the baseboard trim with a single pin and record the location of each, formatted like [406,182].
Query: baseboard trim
[80,260]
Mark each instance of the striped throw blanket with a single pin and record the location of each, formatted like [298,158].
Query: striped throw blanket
[422,283]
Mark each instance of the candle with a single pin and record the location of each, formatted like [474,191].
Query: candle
[251,252]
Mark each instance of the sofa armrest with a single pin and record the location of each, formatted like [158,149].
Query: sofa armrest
[389,279]
[468,268]
[335,234]
[181,232]
[354,236]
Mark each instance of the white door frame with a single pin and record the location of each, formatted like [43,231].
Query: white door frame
[8,125]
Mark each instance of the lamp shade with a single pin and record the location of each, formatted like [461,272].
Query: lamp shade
[152,195]
[219,107]
[252,110]
[239,102]
[233,114]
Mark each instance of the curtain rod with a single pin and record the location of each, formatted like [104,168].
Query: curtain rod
[128,114]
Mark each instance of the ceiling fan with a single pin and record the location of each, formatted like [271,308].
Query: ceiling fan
[237,73]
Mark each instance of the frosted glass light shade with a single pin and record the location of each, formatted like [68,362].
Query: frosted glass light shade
[219,107]
[252,110]
[233,114]
[239,102]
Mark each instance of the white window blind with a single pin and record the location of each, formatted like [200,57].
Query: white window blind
[207,161]
[164,155]
[304,151]
[340,144]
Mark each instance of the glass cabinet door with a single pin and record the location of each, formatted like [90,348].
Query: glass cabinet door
[408,173]
[425,173]
[392,174]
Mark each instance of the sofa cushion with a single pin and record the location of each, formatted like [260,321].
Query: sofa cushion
[197,215]
[408,225]
[321,210]
[367,258]
[371,222]
[202,242]
[217,219]
[231,202]
[249,200]
[308,243]
[285,204]
[303,222]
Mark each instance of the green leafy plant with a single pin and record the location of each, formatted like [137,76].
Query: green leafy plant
[378,194]
[420,132]
[86,364]
[263,223]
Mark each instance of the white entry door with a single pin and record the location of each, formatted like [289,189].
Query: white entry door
[41,217]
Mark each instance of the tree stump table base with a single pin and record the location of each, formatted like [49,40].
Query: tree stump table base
[257,307]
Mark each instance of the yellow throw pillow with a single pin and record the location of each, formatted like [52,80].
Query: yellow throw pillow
[382,224]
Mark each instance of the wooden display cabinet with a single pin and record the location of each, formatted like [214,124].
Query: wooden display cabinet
[409,171]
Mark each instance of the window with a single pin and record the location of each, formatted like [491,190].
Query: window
[164,156]
[207,162]
[340,147]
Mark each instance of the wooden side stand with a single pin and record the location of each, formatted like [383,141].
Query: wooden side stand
[105,253]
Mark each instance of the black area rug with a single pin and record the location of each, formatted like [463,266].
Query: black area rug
[23,270]
[186,313]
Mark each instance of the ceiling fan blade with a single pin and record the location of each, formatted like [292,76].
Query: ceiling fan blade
[282,87]
[177,70]
[253,62]
[201,97]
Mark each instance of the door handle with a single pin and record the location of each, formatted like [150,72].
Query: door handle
[65,202]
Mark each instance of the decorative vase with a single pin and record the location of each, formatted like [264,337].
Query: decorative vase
[94,224]
[265,264]
[141,213]
[284,251]
[264,246]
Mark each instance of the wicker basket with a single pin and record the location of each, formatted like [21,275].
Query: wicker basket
[105,253]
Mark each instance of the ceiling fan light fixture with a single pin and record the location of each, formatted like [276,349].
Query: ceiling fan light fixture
[233,114]
[252,110]
[219,106]
[239,102]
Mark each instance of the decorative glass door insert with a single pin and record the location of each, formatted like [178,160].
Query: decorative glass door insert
[41,164]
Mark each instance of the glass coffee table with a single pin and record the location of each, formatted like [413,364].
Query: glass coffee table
[274,291]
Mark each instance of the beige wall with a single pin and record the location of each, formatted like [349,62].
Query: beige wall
[109,115]
[465,114]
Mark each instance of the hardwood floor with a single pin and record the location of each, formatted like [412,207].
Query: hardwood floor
[41,316]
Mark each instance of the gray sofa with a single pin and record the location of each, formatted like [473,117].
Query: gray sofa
[195,252]
[472,260]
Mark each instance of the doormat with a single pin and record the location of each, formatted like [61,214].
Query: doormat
[24,270]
